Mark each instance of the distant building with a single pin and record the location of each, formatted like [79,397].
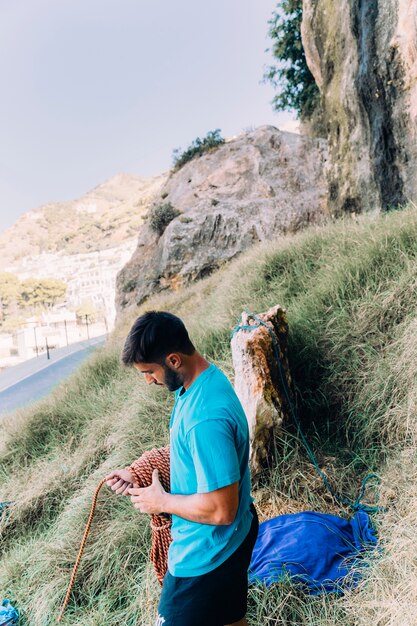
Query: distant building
[89,276]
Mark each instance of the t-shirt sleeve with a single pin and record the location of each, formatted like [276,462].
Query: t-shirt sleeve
[214,454]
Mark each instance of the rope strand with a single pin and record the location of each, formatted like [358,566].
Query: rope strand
[81,550]
[142,468]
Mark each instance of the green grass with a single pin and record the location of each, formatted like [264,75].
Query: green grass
[350,293]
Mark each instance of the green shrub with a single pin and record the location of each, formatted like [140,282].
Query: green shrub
[129,286]
[212,140]
[160,216]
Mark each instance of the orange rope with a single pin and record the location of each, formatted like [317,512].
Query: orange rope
[81,550]
[157,458]
[160,524]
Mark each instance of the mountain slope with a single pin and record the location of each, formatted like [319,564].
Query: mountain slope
[103,218]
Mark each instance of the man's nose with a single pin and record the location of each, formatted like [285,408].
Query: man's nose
[150,379]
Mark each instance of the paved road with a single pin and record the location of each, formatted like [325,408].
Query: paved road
[17,373]
[36,379]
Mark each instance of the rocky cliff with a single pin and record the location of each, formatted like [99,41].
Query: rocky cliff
[363,56]
[253,187]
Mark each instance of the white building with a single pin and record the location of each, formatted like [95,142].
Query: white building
[90,276]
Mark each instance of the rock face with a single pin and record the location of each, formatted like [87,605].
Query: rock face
[253,187]
[363,56]
[258,380]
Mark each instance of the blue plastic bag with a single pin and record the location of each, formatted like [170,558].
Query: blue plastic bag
[8,614]
[324,553]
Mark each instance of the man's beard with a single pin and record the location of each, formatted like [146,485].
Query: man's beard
[173,380]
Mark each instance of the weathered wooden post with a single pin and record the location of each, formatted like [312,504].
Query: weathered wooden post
[258,381]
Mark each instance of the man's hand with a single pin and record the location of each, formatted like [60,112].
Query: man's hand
[120,481]
[149,499]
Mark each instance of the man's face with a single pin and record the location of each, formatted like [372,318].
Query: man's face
[162,375]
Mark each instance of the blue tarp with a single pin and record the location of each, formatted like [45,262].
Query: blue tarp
[318,550]
[8,614]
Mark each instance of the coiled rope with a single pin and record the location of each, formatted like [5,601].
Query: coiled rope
[355,505]
[142,468]
[157,458]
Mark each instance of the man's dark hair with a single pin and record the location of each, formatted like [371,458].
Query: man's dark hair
[153,336]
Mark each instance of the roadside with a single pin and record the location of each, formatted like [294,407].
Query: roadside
[33,379]
[19,372]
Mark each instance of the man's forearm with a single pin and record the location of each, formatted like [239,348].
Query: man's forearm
[217,507]
[196,508]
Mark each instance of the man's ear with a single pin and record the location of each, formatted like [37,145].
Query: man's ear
[174,360]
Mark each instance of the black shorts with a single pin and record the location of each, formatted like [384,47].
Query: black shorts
[213,599]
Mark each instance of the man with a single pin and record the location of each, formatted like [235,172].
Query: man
[214,522]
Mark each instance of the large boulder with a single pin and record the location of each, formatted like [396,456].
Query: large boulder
[363,56]
[262,380]
[251,188]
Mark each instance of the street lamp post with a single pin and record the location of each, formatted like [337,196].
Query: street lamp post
[66,332]
[36,342]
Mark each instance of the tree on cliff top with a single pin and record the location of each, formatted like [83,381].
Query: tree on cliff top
[297,88]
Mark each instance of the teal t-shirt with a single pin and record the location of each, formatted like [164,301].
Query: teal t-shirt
[209,439]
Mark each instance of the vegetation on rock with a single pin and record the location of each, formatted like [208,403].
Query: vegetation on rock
[129,285]
[199,146]
[160,216]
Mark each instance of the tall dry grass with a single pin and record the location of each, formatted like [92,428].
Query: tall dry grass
[350,292]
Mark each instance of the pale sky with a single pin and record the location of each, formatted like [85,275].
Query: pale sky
[91,88]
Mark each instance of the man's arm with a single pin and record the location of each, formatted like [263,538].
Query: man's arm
[218,507]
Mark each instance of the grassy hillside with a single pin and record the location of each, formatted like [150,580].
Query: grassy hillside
[350,291]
